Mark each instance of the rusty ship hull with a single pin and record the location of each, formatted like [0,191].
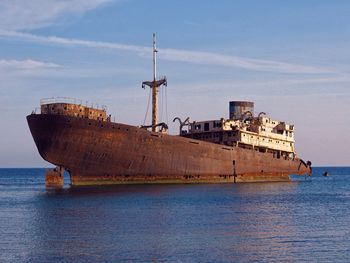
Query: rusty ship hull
[98,153]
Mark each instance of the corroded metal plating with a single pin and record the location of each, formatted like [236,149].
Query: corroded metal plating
[98,152]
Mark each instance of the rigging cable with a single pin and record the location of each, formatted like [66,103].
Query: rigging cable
[161,104]
[149,99]
[166,104]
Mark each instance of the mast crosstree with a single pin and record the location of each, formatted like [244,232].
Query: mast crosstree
[155,84]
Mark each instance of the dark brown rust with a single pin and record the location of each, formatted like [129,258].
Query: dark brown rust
[54,177]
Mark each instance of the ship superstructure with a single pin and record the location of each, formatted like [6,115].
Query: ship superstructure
[83,140]
[243,129]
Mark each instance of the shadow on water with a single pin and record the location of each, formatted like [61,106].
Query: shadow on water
[161,189]
[153,189]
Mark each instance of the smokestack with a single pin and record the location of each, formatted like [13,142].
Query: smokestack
[238,108]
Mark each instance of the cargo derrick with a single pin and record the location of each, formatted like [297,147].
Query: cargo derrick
[84,141]
[154,85]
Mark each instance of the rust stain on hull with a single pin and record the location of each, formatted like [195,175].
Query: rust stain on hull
[54,177]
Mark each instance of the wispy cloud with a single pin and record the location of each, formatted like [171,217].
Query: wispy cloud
[239,62]
[188,56]
[27,64]
[73,42]
[26,15]
[310,85]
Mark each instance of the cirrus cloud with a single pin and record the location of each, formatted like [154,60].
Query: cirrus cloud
[181,55]
[27,15]
[27,64]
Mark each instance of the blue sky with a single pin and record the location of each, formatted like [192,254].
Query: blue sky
[291,57]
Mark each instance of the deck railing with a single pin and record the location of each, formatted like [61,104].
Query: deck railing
[72,101]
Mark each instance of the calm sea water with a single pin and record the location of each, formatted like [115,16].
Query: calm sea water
[306,220]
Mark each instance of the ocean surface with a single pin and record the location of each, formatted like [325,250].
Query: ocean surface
[305,220]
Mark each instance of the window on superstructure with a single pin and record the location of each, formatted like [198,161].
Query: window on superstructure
[280,132]
[206,126]
[217,124]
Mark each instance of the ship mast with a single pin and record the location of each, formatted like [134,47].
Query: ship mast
[154,85]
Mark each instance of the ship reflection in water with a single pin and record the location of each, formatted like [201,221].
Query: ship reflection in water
[295,221]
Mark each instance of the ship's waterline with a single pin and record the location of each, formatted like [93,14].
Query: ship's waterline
[164,179]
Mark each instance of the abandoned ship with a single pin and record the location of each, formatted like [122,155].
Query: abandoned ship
[95,150]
